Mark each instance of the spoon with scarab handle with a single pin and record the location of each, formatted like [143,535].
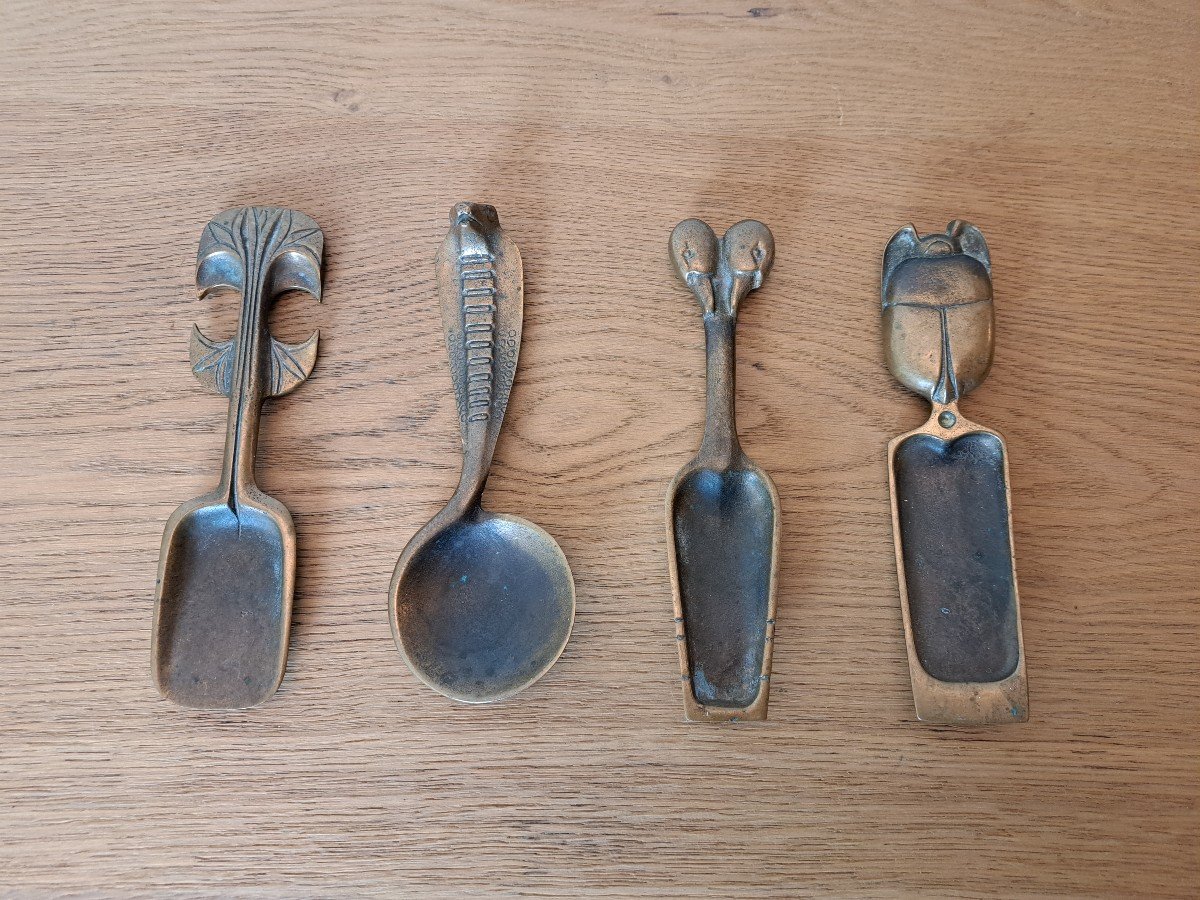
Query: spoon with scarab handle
[722,509]
[223,603]
[481,603]
[951,504]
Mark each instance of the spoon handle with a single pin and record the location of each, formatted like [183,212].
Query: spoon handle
[480,287]
[260,252]
[720,273]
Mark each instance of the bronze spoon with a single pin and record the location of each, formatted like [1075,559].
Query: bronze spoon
[951,500]
[481,604]
[722,509]
[223,604]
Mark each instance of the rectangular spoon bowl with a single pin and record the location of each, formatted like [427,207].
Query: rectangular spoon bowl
[223,604]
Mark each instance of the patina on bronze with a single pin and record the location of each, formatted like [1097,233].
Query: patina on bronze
[951,504]
[481,603]
[223,604]
[722,509]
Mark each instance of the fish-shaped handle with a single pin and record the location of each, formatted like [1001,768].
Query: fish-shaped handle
[480,286]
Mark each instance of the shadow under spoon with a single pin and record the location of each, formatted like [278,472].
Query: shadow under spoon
[722,509]
[481,603]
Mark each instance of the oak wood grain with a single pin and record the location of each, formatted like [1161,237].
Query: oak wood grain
[1068,131]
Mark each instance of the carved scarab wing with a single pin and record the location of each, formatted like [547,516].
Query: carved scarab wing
[481,290]
[937,310]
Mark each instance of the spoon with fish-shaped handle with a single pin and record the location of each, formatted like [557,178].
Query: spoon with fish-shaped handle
[223,602]
[722,509]
[481,603]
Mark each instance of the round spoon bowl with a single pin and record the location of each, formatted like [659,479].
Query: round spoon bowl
[483,605]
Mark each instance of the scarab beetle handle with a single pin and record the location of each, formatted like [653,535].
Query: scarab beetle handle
[480,288]
[937,310]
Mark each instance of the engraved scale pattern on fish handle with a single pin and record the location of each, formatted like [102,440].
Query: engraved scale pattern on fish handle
[480,289]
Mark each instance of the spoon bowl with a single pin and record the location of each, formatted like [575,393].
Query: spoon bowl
[484,606]
[723,526]
[220,636]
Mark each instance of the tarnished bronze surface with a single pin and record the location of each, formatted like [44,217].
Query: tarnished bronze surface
[722,509]
[481,603]
[951,504]
[223,603]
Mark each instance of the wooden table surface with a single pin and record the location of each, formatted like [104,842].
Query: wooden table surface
[1067,131]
